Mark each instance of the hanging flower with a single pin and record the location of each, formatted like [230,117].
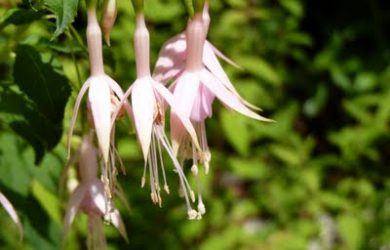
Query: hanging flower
[90,198]
[103,96]
[148,100]
[195,89]
[173,55]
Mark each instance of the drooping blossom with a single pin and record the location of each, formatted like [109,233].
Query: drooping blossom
[148,100]
[173,55]
[103,96]
[11,212]
[195,89]
[90,198]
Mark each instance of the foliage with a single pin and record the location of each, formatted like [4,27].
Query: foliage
[316,178]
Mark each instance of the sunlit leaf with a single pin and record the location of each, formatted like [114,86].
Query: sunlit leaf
[65,12]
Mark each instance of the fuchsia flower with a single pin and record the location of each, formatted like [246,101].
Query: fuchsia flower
[148,100]
[12,213]
[173,55]
[195,88]
[102,96]
[90,198]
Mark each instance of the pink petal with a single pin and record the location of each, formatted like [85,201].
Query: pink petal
[123,97]
[73,206]
[12,213]
[114,86]
[96,190]
[100,101]
[144,104]
[207,100]
[202,105]
[116,220]
[222,56]
[211,62]
[178,132]
[76,111]
[171,59]
[227,97]
[186,90]
[124,102]
[181,123]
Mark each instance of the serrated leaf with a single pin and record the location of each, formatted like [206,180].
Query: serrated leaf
[47,88]
[38,117]
[65,12]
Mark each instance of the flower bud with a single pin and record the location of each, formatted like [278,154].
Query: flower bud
[108,20]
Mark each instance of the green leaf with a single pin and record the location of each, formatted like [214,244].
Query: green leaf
[41,83]
[14,169]
[236,131]
[65,12]
[39,117]
[293,6]
[21,16]
[351,231]
[249,169]
[260,68]
[49,202]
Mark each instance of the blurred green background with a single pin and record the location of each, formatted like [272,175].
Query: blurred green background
[318,178]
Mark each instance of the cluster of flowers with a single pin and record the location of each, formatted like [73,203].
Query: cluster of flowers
[187,78]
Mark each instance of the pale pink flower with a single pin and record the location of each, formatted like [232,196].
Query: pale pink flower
[11,212]
[194,92]
[148,100]
[190,64]
[90,198]
[103,93]
[173,55]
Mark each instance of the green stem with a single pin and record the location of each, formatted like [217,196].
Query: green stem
[198,5]
[138,6]
[76,35]
[189,6]
[91,4]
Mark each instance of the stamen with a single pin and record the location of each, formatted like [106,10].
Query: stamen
[205,156]
[188,193]
[201,207]
[143,179]
[194,170]
[166,188]
[154,168]
[153,194]
[192,214]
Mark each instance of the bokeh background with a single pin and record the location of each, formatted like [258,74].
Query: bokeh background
[318,178]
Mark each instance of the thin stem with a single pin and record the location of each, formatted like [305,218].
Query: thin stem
[198,5]
[189,6]
[138,6]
